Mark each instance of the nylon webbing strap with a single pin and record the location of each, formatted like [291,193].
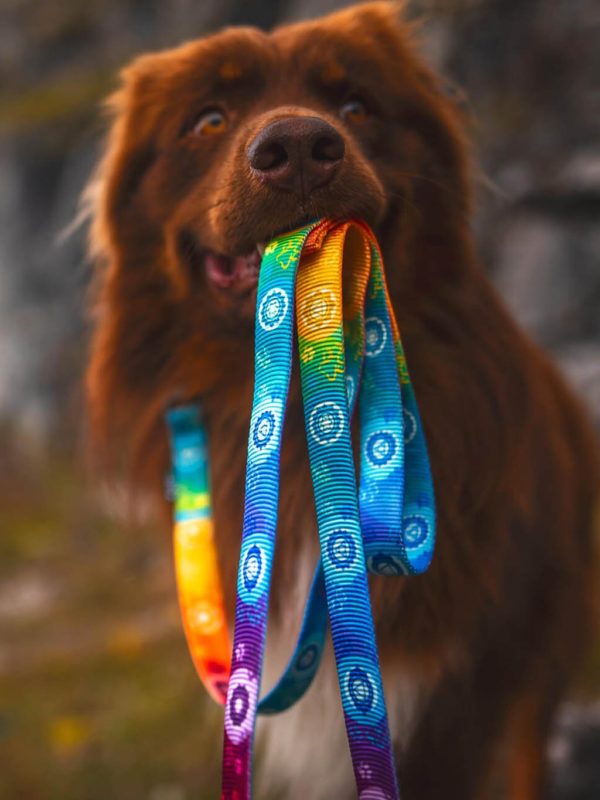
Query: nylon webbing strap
[350,350]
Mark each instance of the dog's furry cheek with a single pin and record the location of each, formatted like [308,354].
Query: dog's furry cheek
[180,250]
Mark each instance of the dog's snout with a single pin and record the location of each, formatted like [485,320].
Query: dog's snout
[296,154]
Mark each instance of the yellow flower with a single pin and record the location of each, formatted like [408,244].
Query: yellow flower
[319,313]
[68,734]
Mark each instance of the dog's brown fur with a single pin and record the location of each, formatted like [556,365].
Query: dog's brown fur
[496,627]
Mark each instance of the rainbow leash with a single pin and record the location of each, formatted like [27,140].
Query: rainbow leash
[350,352]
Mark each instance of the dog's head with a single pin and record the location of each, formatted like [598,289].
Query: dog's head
[220,144]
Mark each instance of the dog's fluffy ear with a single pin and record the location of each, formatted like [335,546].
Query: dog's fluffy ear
[376,12]
[115,372]
[128,154]
[372,20]
[428,107]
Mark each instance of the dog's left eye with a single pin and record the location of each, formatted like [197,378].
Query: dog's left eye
[354,110]
[211,123]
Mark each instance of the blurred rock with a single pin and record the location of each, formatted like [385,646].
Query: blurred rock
[547,266]
[574,753]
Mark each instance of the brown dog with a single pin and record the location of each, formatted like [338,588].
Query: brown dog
[216,146]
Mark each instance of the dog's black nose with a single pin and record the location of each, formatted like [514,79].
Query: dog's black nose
[296,154]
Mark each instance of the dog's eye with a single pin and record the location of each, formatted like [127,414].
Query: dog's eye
[211,123]
[354,110]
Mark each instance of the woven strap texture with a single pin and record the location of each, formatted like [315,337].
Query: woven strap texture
[350,350]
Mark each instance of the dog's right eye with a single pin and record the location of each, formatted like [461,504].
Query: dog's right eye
[354,110]
[210,123]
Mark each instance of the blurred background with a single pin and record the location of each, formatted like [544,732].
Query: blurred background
[97,695]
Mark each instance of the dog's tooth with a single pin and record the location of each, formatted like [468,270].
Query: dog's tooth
[261,249]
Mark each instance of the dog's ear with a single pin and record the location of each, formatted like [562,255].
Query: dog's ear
[130,307]
[128,155]
[377,19]
[429,105]
[376,12]
[432,134]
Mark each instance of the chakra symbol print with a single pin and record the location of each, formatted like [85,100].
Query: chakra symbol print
[341,549]
[375,336]
[410,426]
[360,689]
[264,429]
[350,357]
[326,423]
[318,311]
[381,448]
[252,571]
[241,698]
[416,531]
[273,309]
[362,695]
[307,658]
[252,567]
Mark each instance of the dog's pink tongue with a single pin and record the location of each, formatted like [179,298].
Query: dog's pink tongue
[245,271]
[239,274]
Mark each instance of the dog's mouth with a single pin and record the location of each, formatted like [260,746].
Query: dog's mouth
[235,274]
